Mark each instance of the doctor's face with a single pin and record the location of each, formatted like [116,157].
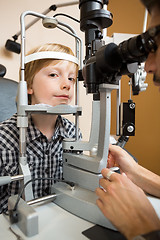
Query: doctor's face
[54,84]
[152,64]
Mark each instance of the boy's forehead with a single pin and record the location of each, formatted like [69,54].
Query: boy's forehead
[55,62]
[60,65]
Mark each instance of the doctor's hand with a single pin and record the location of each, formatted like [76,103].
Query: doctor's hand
[126,205]
[119,157]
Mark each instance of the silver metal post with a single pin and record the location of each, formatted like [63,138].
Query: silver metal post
[79,56]
[145,20]
[42,199]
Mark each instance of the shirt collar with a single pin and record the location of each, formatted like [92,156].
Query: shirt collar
[62,128]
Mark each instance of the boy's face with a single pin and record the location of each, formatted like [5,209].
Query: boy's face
[54,84]
[153,61]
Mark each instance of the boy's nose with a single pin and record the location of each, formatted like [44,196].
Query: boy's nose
[150,64]
[65,83]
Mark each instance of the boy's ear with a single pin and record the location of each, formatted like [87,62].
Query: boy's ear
[30,91]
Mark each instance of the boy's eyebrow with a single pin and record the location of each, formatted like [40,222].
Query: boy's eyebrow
[57,68]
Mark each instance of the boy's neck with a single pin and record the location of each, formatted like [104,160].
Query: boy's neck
[45,123]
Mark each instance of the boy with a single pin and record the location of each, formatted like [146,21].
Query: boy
[49,81]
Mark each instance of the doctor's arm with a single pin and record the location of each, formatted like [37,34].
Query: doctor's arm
[126,205]
[145,179]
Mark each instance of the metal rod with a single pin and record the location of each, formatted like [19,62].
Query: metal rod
[72,34]
[67,4]
[78,47]
[17,177]
[42,199]
[145,20]
[117,107]
[105,29]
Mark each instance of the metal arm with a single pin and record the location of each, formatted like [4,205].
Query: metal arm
[23,108]
[13,46]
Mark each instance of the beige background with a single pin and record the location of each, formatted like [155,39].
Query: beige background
[128,18]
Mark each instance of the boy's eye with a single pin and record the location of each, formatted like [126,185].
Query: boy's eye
[53,75]
[71,79]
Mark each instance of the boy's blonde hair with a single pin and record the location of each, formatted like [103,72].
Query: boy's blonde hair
[33,67]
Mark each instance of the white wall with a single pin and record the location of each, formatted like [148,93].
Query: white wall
[10,24]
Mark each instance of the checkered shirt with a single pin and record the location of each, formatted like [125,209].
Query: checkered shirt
[44,156]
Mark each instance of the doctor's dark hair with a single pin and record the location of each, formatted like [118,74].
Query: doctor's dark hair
[149,4]
[34,67]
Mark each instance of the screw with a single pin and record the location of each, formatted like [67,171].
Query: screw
[132,106]
[130,128]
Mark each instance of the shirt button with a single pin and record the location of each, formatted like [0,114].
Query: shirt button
[61,164]
[47,190]
[47,152]
[47,170]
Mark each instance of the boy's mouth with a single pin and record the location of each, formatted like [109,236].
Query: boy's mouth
[63,96]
